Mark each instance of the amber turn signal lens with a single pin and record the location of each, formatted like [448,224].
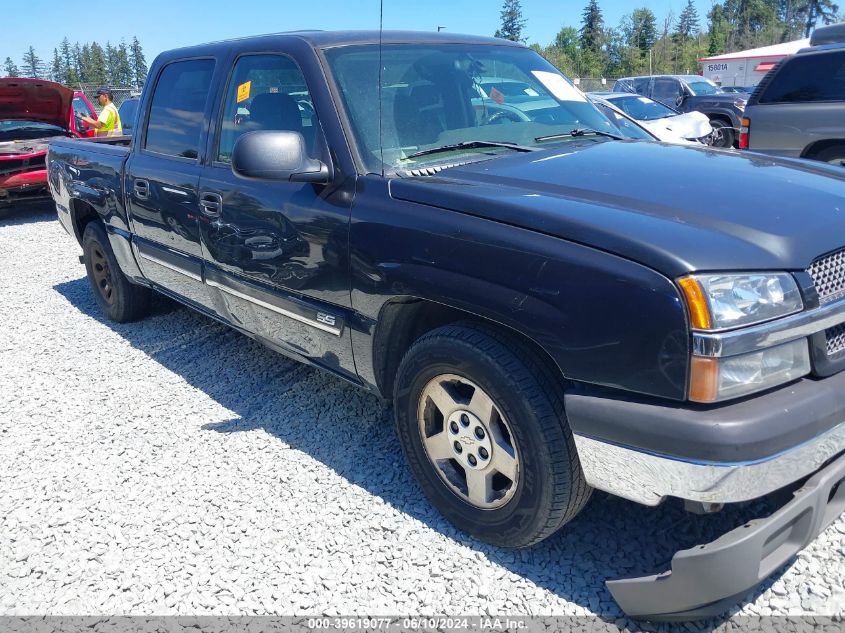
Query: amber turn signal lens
[696,302]
[704,379]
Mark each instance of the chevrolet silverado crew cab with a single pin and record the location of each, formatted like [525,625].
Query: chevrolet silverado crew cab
[546,305]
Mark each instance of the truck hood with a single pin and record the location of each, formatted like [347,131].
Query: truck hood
[35,100]
[674,208]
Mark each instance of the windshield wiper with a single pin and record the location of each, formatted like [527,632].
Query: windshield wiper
[471,145]
[579,131]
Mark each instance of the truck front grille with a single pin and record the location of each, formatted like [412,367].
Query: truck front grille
[828,275]
[835,339]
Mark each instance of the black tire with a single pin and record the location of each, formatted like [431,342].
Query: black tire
[550,488]
[833,155]
[723,134]
[118,298]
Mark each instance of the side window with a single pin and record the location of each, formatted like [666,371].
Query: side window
[641,85]
[666,89]
[177,108]
[266,92]
[807,78]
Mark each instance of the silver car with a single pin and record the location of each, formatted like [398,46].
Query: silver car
[798,109]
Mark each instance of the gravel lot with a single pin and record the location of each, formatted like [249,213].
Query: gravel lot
[173,466]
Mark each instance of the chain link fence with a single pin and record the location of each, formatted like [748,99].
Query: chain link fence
[594,84]
[120,94]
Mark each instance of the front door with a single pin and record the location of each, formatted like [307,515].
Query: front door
[276,252]
[163,176]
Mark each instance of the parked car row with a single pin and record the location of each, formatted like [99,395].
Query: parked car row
[665,123]
[797,110]
[691,93]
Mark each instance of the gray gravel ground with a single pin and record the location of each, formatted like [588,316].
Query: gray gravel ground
[173,466]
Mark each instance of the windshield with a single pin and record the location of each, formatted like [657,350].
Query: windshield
[17,130]
[643,108]
[704,88]
[444,94]
[626,127]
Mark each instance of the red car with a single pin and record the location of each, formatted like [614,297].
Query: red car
[32,111]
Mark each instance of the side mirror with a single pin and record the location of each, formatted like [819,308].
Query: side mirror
[277,155]
[679,100]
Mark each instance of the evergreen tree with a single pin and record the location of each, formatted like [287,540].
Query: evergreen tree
[9,68]
[815,10]
[512,21]
[56,72]
[110,55]
[137,63]
[32,65]
[97,65]
[592,27]
[85,71]
[71,76]
[718,32]
[688,24]
[640,29]
[77,62]
[122,69]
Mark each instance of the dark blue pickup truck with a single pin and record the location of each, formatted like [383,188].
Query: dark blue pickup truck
[551,309]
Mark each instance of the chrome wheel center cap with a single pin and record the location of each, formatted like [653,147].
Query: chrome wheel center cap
[470,440]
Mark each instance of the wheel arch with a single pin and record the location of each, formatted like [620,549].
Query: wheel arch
[817,147]
[81,214]
[403,320]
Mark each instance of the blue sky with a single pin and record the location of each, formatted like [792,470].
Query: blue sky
[160,24]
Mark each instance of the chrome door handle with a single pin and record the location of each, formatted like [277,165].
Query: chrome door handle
[211,204]
[142,188]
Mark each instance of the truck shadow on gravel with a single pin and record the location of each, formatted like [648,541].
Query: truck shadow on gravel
[612,538]
[21,213]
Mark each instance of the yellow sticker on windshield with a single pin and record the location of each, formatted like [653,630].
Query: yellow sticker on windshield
[243,91]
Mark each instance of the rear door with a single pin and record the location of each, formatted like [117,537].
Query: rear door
[667,90]
[163,174]
[276,252]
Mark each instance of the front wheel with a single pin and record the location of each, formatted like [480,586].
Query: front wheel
[482,426]
[119,299]
[722,135]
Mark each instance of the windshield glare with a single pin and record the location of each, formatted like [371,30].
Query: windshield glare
[435,94]
[643,108]
[704,88]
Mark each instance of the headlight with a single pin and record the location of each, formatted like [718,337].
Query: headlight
[740,104]
[718,302]
[715,379]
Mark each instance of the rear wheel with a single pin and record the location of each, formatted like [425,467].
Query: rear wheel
[722,135]
[118,298]
[832,155]
[482,426]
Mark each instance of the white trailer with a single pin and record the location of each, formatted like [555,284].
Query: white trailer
[747,68]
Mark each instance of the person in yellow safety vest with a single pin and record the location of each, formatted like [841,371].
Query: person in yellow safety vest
[108,123]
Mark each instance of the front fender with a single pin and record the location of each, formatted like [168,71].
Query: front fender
[604,320]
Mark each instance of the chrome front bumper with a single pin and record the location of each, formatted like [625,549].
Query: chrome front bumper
[649,478]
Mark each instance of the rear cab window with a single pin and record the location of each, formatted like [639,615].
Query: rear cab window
[179,100]
[808,78]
